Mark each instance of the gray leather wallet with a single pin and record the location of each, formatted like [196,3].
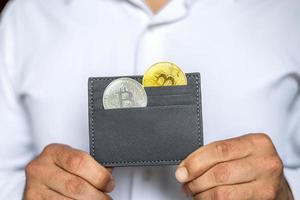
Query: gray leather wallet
[163,133]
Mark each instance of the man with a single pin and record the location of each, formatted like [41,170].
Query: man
[246,51]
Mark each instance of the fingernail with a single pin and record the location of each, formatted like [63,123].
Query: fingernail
[181,174]
[110,186]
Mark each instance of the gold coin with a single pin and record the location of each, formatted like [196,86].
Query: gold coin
[164,74]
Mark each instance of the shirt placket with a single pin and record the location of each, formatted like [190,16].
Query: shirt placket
[150,49]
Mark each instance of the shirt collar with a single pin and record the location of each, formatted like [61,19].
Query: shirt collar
[174,11]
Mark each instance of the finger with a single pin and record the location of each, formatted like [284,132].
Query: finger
[110,169]
[204,158]
[83,165]
[51,194]
[37,191]
[226,173]
[229,192]
[70,185]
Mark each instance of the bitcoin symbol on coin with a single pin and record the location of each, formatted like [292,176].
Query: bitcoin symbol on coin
[163,79]
[125,97]
[164,74]
[124,93]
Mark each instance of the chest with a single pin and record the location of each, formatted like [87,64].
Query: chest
[245,76]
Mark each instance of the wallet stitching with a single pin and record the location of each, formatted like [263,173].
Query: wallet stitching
[198,109]
[92,117]
[195,77]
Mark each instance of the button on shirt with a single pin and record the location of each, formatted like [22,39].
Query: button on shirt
[247,52]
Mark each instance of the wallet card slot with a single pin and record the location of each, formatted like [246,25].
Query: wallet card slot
[155,101]
[186,99]
[148,132]
[170,95]
[166,95]
[169,90]
[143,108]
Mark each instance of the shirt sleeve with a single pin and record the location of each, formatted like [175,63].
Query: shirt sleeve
[15,142]
[291,158]
[293,177]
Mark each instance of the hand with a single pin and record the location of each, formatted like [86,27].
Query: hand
[243,168]
[61,172]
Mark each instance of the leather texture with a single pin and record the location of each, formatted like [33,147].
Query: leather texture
[163,133]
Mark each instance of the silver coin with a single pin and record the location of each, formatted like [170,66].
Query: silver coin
[124,93]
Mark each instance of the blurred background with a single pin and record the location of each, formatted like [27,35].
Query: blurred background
[2,4]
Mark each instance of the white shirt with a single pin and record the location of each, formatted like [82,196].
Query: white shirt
[247,51]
